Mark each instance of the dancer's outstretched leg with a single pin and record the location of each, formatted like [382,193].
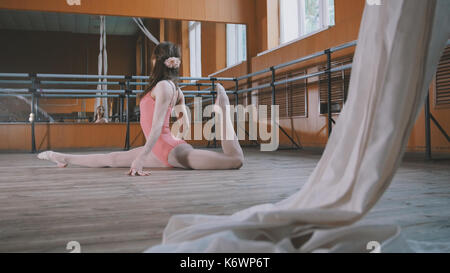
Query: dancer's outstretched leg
[228,138]
[114,159]
[232,157]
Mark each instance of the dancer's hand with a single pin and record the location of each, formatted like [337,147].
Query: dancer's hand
[137,168]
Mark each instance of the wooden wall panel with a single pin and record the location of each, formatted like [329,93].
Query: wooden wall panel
[438,142]
[16,137]
[234,71]
[185,53]
[213,47]
[262,26]
[233,11]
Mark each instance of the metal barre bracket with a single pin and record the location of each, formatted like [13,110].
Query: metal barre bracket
[272,82]
[128,90]
[34,84]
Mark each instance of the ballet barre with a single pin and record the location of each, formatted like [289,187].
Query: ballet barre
[35,81]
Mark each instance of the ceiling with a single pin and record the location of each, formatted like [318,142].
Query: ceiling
[76,23]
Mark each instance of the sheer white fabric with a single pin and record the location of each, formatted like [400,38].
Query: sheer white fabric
[399,46]
[144,30]
[102,68]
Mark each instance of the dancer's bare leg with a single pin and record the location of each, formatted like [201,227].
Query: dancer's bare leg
[229,139]
[114,159]
[185,156]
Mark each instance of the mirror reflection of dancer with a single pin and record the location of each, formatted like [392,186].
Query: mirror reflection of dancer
[162,149]
[99,116]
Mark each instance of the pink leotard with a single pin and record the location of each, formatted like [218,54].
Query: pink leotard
[166,141]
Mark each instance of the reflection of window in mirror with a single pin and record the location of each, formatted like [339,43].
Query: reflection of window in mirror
[236,44]
[195,48]
[302,17]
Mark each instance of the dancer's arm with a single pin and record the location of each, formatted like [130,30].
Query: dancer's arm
[162,104]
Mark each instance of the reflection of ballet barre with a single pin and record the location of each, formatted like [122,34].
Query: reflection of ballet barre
[15,82]
[14,95]
[93,83]
[13,90]
[63,96]
[116,77]
[88,91]
[204,92]
[69,91]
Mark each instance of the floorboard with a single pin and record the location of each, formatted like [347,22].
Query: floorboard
[43,207]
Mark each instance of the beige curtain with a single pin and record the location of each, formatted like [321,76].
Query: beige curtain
[399,46]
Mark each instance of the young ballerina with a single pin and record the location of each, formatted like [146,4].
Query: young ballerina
[162,149]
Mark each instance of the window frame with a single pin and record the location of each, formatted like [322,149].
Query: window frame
[301,14]
[237,47]
[195,54]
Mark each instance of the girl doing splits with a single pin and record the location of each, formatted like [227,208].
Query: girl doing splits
[162,149]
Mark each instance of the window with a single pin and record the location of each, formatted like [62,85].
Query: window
[236,44]
[302,17]
[195,48]
[442,95]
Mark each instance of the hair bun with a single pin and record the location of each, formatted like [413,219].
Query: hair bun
[172,62]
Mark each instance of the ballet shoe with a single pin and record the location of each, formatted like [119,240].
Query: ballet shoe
[44,155]
[47,156]
[220,90]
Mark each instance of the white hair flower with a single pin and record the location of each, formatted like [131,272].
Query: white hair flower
[172,62]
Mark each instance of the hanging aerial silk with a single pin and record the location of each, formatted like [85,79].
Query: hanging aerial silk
[146,32]
[399,46]
[102,68]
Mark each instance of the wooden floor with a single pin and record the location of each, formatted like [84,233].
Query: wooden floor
[43,207]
